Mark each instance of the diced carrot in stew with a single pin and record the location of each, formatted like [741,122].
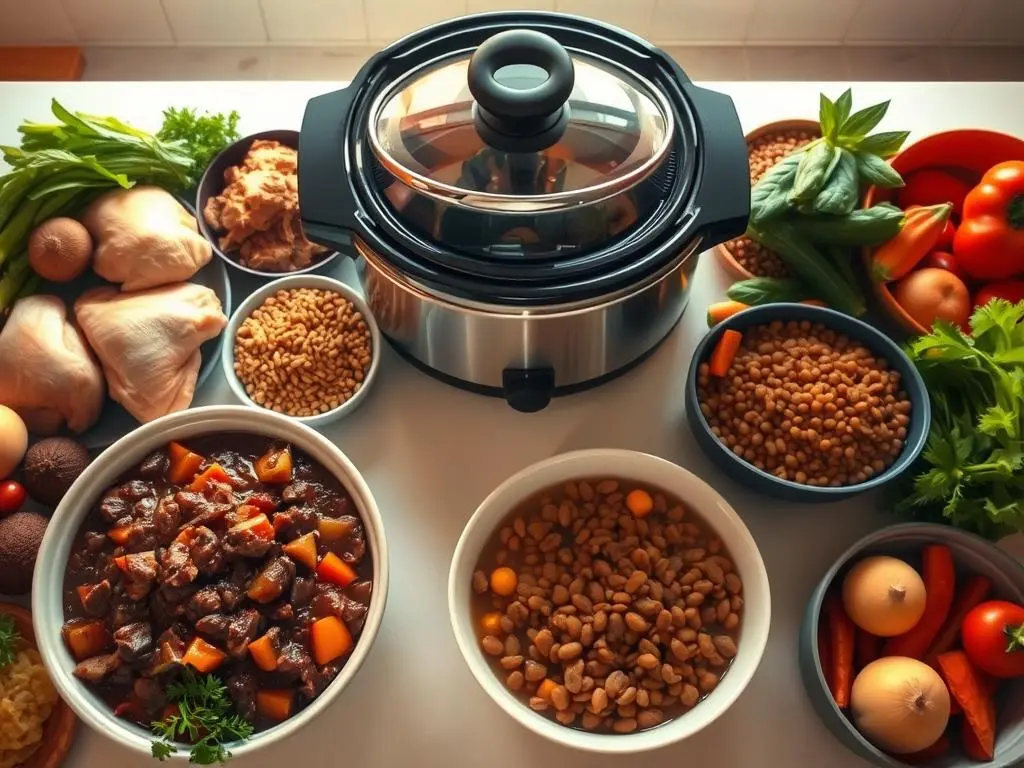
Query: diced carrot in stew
[87,639]
[264,653]
[119,534]
[202,656]
[241,513]
[330,639]
[270,582]
[257,526]
[303,549]
[122,563]
[275,705]
[332,529]
[214,473]
[275,466]
[335,570]
[184,464]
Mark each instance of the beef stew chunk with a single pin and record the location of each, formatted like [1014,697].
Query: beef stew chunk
[182,564]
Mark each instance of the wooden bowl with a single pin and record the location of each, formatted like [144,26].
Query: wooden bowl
[965,153]
[736,270]
[60,727]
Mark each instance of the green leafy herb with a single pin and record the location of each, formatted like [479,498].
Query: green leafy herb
[858,125]
[770,196]
[884,144]
[839,195]
[863,226]
[9,637]
[204,718]
[768,290]
[815,167]
[874,170]
[843,106]
[827,118]
[203,135]
[971,473]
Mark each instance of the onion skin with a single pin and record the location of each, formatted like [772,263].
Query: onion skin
[900,705]
[884,596]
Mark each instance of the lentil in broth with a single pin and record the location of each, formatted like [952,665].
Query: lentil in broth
[607,605]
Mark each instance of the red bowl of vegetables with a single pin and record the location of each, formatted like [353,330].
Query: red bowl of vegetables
[963,242]
[905,649]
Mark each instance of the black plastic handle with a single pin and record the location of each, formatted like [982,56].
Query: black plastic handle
[526,119]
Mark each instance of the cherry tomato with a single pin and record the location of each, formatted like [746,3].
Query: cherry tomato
[12,496]
[943,260]
[1011,290]
[932,187]
[993,638]
[945,241]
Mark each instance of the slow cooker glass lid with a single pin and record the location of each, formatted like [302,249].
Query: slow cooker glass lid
[425,131]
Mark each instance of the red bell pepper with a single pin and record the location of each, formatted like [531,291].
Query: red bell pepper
[989,244]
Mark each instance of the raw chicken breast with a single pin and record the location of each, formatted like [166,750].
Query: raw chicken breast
[148,342]
[48,374]
[144,238]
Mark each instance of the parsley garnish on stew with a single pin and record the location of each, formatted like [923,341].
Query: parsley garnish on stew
[202,716]
[9,638]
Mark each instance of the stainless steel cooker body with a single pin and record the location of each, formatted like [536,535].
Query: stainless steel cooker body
[525,355]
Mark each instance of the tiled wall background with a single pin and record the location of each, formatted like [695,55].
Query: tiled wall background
[372,22]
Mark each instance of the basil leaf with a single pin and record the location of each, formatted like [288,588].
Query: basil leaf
[839,195]
[874,170]
[884,143]
[861,123]
[813,171]
[770,196]
[767,290]
[843,106]
[827,117]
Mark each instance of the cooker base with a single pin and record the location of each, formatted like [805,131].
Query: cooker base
[535,400]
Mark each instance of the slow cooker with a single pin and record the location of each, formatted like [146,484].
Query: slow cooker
[525,194]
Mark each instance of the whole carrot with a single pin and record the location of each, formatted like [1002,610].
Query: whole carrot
[841,631]
[972,593]
[971,689]
[825,650]
[868,647]
[939,576]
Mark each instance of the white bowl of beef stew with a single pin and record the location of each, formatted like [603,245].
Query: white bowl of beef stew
[222,546]
[609,600]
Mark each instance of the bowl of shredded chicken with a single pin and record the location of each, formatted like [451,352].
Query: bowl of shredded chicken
[248,201]
[36,727]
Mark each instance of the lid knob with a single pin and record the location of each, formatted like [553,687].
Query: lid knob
[521,80]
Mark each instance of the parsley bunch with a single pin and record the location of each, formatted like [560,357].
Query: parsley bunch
[203,135]
[972,470]
[203,717]
[9,637]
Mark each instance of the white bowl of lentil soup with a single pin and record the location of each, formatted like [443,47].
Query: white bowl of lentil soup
[609,600]
[305,346]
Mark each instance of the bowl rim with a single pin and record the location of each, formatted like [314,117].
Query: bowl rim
[824,315]
[211,237]
[713,509]
[47,588]
[257,297]
[889,534]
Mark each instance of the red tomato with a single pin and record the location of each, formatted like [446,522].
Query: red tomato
[12,496]
[943,260]
[1011,290]
[993,638]
[945,241]
[932,187]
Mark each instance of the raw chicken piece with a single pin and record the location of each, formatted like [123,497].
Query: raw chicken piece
[148,342]
[145,238]
[48,375]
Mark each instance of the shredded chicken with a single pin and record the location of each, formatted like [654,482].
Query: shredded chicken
[258,211]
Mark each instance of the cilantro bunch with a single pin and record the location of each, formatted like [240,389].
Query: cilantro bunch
[203,716]
[971,474]
[203,135]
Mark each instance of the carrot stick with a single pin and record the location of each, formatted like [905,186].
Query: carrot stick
[825,650]
[974,592]
[971,691]
[938,749]
[724,309]
[841,632]
[725,352]
[867,648]
[939,581]
[972,746]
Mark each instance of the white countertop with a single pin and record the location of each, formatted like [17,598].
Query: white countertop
[430,453]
